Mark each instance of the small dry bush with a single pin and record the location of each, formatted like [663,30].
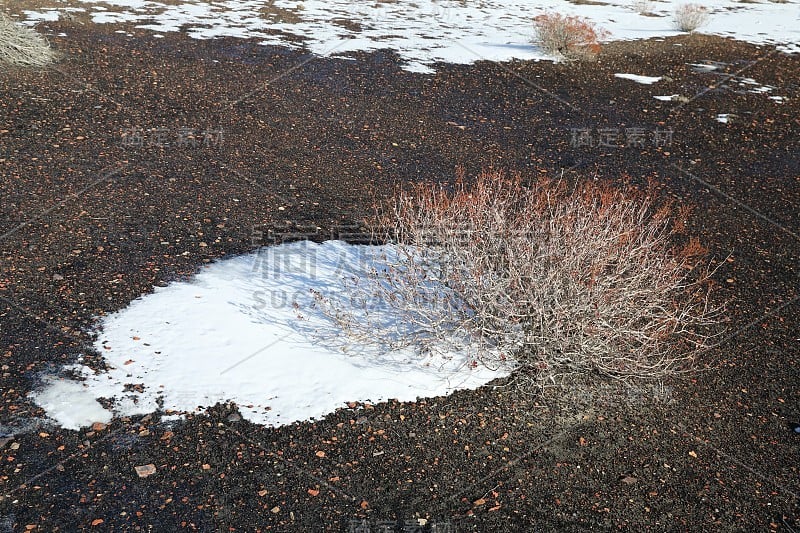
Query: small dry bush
[573,38]
[689,17]
[552,280]
[22,46]
[643,7]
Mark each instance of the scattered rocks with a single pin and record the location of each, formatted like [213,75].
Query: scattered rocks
[327,129]
[144,471]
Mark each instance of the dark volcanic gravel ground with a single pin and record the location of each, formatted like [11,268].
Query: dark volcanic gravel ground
[90,220]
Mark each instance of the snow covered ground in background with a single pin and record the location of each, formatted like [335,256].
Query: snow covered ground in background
[426,31]
[232,333]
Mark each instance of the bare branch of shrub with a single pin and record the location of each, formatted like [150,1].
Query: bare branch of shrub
[689,17]
[573,38]
[547,279]
[22,46]
[643,7]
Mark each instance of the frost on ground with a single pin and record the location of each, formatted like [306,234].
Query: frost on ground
[245,330]
[428,31]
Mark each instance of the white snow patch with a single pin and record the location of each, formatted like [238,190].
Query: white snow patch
[646,80]
[723,117]
[667,98]
[70,403]
[705,67]
[762,89]
[232,333]
[34,17]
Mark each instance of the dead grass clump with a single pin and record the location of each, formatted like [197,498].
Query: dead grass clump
[689,17]
[573,38]
[22,46]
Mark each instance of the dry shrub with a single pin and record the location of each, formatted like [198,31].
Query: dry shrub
[573,38]
[689,17]
[22,46]
[643,7]
[549,279]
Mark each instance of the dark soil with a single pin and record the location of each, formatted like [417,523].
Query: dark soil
[91,219]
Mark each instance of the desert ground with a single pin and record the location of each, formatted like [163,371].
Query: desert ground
[91,221]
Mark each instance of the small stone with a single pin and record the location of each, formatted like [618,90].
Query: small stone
[145,470]
[99,426]
[234,417]
[57,277]
[275,510]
